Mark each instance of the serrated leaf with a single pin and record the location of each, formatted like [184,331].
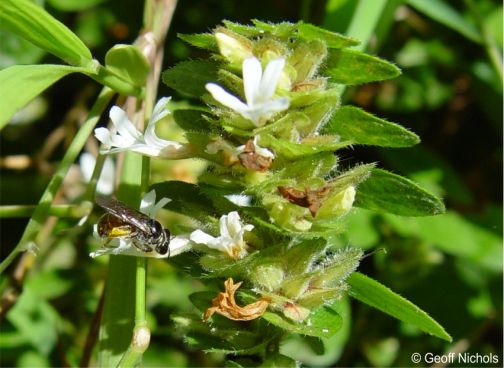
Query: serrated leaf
[332,40]
[192,120]
[323,322]
[127,62]
[353,67]
[34,24]
[384,191]
[244,30]
[356,125]
[190,77]
[372,293]
[21,83]
[202,40]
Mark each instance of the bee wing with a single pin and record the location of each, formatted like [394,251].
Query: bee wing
[124,212]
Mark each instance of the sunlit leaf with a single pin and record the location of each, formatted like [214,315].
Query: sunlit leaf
[384,191]
[358,126]
[21,83]
[373,293]
[74,5]
[332,40]
[352,67]
[34,24]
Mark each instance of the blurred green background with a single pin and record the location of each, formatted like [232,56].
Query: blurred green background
[450,94]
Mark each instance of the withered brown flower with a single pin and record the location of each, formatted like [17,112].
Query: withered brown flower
[252,160]
[312,199]
[225,304]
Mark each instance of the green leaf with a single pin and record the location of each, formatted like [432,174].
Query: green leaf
[455,235]
[332,40]
[280,361]
[74,5]
[443,13]
[202,40]
[353,67]
[356,125]
[323,322]
[387,192]
[372,293]
[291,150]
[21,83]
[34,24]
[185,198]
[190,77]
[36,320]
[127,62]
[192,120]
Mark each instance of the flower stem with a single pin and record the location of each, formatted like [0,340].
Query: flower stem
[42,210]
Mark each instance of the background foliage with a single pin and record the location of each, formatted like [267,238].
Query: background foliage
[450,94]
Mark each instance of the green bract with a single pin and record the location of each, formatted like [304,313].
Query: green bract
[271,134]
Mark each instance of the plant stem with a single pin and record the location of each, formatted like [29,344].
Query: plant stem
[42,210]
[124,338]
[58,210]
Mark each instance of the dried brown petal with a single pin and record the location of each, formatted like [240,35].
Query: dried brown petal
[312,199]
[253,161]
[225,304]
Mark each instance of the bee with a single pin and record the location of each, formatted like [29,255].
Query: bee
[121,221]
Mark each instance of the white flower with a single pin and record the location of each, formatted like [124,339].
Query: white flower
[259,89]
[125,246]
[105,183]
[129,138]
[230,240]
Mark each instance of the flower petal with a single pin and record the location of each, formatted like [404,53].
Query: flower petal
[252,74]
[178,245]
[160,110]
[271,76]
[124,126]
[104,136]
[225,98]
[200,237]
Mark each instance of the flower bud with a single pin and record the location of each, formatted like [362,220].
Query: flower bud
[338,204]
[268,276]
[234,48]
[295,312]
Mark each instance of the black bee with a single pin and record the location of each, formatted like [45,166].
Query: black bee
[122,221]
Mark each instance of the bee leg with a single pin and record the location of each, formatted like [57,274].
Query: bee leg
[143,247]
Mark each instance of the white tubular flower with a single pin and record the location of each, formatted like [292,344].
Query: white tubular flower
[128,138]
[230,240]
[259,89]
[125,246]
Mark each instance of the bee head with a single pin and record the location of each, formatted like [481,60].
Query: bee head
[164,246]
